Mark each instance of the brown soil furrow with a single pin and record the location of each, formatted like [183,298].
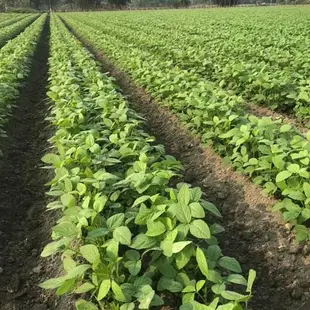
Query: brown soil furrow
[254,235]
[24,226]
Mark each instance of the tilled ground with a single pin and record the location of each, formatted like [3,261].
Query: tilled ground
[23,226]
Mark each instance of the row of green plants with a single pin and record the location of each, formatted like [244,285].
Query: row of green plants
[15,61]
[7,16]
[128,239]
[263,59]
[9,32]
[275,155]
[12,20]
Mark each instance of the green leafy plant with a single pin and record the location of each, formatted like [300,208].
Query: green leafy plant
[12,19]
[8,32]
[257,146]
[125,236]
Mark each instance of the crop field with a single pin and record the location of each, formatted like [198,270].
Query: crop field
[155,159]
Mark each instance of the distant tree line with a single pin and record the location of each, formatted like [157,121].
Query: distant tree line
[105,4]
[97,4]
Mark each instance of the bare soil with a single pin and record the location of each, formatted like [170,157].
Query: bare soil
[254,235]
[25,227]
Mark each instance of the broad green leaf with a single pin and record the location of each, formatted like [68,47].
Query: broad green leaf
[90,253]
[251,279]
[179,246]
[145,296]
[214,252]
[200,284]
[68,200]
[112,249]
[157,301]
[183,213]
[132,255]
[230,263]
[218,288]
[166,245]
[306,188]
[237,279]
[305,213]
[211,208]
[278,162]
[182,258]
[85,305]
[122,234]
[285,128]
[85,287]
[283,175]
[293,168]
[200,229]
[140,200]
[69,263]
[197,210]
[202,262]
[115,220]
[155,228]
[52,283]
[100,203]
[118,293]
[104,289]
[67,287]
[303,96]
[230,295]
[143,216]
[128,306]
[81,188]
[134,267]
[189,289]
[169,285]
[66,229]
[50,159]
[142,242]
[195,194]
[214,276]
[166,269]
[51,248]
[184,195]
[78,271]
[302,233]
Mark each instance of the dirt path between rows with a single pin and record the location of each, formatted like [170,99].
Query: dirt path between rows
[254,235]
[24,228]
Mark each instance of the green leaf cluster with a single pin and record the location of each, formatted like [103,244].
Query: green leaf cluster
[125,236]
[274,154]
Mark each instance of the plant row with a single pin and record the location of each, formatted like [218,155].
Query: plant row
[12,20]
[273,154]
[264,62]
[15,62]
[7,16]
[9,32]
[127,239]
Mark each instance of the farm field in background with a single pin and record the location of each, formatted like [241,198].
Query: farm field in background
[177,159]
[206,66]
